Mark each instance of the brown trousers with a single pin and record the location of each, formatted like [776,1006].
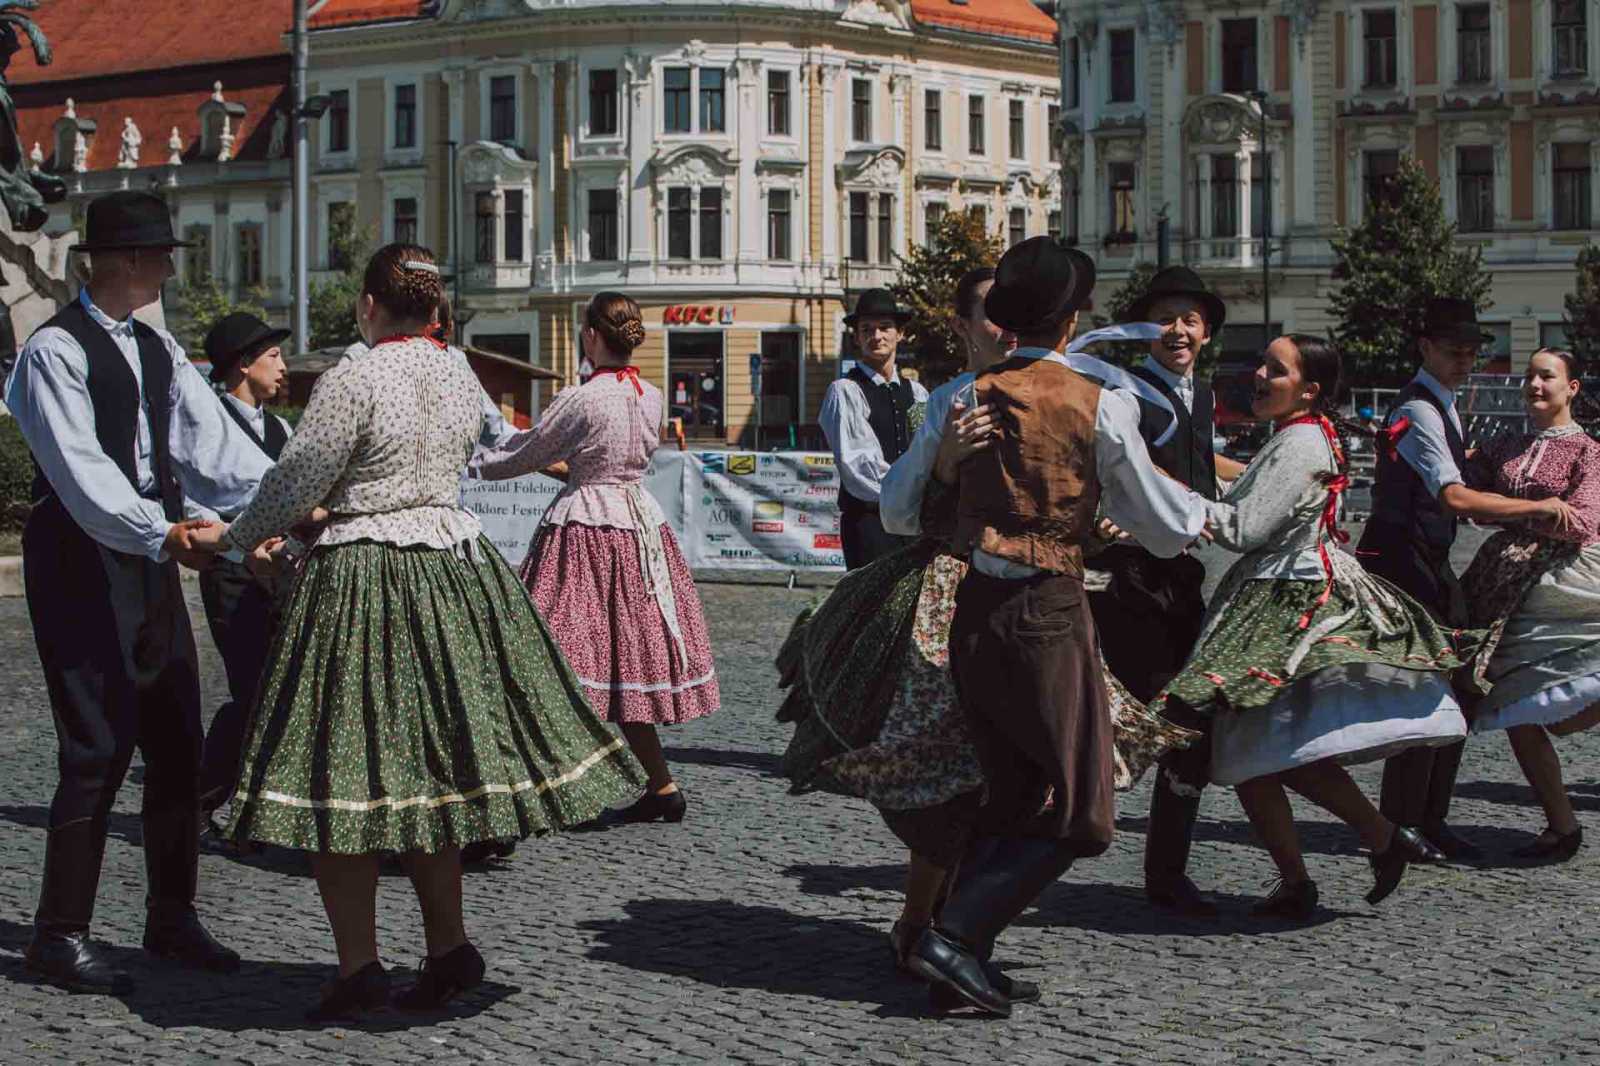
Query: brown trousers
[1023,657]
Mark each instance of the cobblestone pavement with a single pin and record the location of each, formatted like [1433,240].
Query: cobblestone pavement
[754,931]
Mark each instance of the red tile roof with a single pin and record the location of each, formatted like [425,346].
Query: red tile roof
[1000,18]
[92,38]
[350,12]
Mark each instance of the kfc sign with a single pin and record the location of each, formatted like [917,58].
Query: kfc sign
[697,315]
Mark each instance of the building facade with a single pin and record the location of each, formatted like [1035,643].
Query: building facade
[1499,100]
[741,169]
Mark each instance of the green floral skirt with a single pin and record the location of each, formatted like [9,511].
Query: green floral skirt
[414,700]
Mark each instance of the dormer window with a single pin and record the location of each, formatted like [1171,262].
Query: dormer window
[218,119]
[72,136]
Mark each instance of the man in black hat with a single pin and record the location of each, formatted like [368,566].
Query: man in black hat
[1022,643]
[1150,613]
[246,358]
[122,428]
[864,418]
[1416,498]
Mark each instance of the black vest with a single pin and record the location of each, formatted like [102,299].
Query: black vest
[1187,455]
[276,436]
[114,394]
[1399,496]
[888,407]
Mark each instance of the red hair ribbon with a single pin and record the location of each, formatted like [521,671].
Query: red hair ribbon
[1329,524]
[1388,438]
[623,373]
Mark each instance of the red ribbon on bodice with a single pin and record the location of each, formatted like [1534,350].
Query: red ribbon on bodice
[1388,438]
[623,373]
[398,337]
[1336,484]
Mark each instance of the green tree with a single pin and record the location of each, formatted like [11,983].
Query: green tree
[1583,307]
[331,316]
[1403,253]
[199,306]
[926,286]
[1130,353]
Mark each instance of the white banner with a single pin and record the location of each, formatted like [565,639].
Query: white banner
[729,510]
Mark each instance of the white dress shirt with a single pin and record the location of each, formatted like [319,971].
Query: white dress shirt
[216,464]
[1424,447]
[844,420]
[1182,386]
[1165,516]
[256,417]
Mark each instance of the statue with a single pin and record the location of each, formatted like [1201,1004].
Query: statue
[23,190]
[280,135]
[128,156]
[175,149]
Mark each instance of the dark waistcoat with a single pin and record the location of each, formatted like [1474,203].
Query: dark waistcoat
[887,408]
[1399,496]
[1187,454]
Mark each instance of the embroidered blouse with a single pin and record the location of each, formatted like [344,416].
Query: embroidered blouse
[1273,513]
[381,445]
[1561,461]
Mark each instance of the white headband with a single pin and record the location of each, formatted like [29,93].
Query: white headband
[417,264]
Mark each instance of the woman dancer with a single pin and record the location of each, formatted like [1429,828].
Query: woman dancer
[1538,586]
[414,701]
[1307,663]
[604,567]
[869,670]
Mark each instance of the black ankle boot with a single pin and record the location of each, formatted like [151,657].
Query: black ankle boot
[651,807]
[61,951]
[72,961]
[440,980]
[1390,865]
[347,998]
[944,998]
[1296,901]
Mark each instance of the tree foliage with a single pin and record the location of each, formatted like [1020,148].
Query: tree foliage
[1403,252]
[331,316]
[1583,308]
[199,307]
[926,287]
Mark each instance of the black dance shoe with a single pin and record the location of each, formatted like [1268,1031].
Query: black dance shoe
[1551,846]
[347,998]
[74,962]
[177,934]
[1451,844]
[1297,901]
[1181,896]
[484,850]
[1390,865]
[441,980]
[902,938]
[650,807]
[945,961]
[943,998]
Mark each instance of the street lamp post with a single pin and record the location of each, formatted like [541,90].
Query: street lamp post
[302,172]
[1260,97]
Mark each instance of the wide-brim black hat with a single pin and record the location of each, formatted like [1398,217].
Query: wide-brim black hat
[128,219]
[238,336]
[1179,281]
[877,303]
[1037,285]
[1453,320]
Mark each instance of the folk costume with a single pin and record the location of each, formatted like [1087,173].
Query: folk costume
[1407,541]
[604,567]
[865,418]
[241,611]
[414,699]
[1150,613]
[1304,655]
[1022,642]
[496,430]
[122,427]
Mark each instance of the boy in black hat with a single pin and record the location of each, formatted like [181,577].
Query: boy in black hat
[1416,498]
[122,428]
[1149,616]
[1022,643]
[246,358]
[864,418]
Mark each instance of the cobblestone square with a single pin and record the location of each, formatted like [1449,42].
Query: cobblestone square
[755,931]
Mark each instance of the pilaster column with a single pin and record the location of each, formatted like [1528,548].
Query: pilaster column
[831,219]
[747,218]
[542,73]
[454,80]
[640,130]
[1303,134]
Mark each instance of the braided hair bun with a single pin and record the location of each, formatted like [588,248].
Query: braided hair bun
[405,280]
[618,321]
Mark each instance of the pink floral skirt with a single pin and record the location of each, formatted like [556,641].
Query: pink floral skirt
[593,593]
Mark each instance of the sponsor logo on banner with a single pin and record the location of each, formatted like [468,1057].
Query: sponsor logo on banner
[821,541]
[739,553]
[817,467]
[766,516]
[723,514]
[711,462]
[741,464]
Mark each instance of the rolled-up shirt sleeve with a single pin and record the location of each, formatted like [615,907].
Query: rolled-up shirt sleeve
[48,394]
[1163,515]
[856,453]
[218,465]
[1424,447]
[906,482]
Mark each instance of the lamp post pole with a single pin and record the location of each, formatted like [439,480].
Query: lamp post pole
[1260,97]
[302,174]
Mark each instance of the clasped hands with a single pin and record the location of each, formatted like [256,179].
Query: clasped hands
[197,541]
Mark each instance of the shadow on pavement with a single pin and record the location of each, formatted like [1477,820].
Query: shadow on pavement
[759,761]
[1585,795]
[262,995]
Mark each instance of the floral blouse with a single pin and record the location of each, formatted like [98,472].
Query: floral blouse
[381,445]
[1561,461]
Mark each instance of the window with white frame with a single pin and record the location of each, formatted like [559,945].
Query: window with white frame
[603,117]
[248,242]
[1016,132]
[979,214]
[341,233]
[711,222]
[1122,87]
[603,231]
[1071,194]
[932,214]
[1569,31]
[713,99]
[975,105]
[1016,226]
[677,95]
[778,225]
[1555,335]
[337,121]
[503,108]
[197,259]
[1475,188]
[1474,47]
[860,220]
[694,100]
[405,116]
[485,222]
[1380,54]
[515,225]
[933,120]
[1260,186]
[1570,181]
[885,227]
[1053,225]
[1069,86]
[403,220]
[1224,195]
[1052,131]
[1381,170]
[1240,63]
[778,124]
[861,110]
[1121,181]
[694,222]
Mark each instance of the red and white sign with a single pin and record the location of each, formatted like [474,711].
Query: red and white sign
[697,315]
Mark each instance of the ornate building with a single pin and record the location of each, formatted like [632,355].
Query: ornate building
[1162,109]
[741,169]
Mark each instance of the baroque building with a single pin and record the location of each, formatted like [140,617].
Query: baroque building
[1163,103]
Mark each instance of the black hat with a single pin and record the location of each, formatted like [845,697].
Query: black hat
[1452,320]
[1180,281]
[877,303]
[1037,284]
[128,219]
[236,337]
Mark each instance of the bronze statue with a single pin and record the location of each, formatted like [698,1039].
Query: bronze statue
[24,191]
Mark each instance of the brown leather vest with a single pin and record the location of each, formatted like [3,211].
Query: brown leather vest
[1031,497]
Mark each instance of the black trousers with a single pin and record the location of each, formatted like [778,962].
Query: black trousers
[242,617]
[119,664]
[1149,620]
[863,537]
[1417,783]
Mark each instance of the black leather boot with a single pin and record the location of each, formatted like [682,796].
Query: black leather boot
[61,951]
[1167,842]
[990,896]
[172,929]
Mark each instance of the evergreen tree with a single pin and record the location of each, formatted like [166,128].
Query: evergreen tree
[927,288]
[331,316]
[1403,252]
[1583,308]
[199,306]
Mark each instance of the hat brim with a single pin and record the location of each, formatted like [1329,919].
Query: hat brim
[1462,333]
[118,246]
[220,367]
[1216,311]
[900,317]
[1017,312]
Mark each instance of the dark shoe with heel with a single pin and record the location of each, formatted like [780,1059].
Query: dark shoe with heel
[178,935]
[1451,844]
[902,938]
[943,998]
[1296,901]
[1389,866]
[945,961]
[441,980]
[1181,896]
[667,807]
[72,961]
[348,998]
[1552,847]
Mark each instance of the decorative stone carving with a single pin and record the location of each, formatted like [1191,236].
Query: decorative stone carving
[694,51]
[132,140]
[36,157]
[1165,18]
[1220,119]
[80,153]
[890,14]
[492,163]
[693,164]
[175,149]
[278,145]
[71,109]
[879,168]
[1302,16]
[217,116]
